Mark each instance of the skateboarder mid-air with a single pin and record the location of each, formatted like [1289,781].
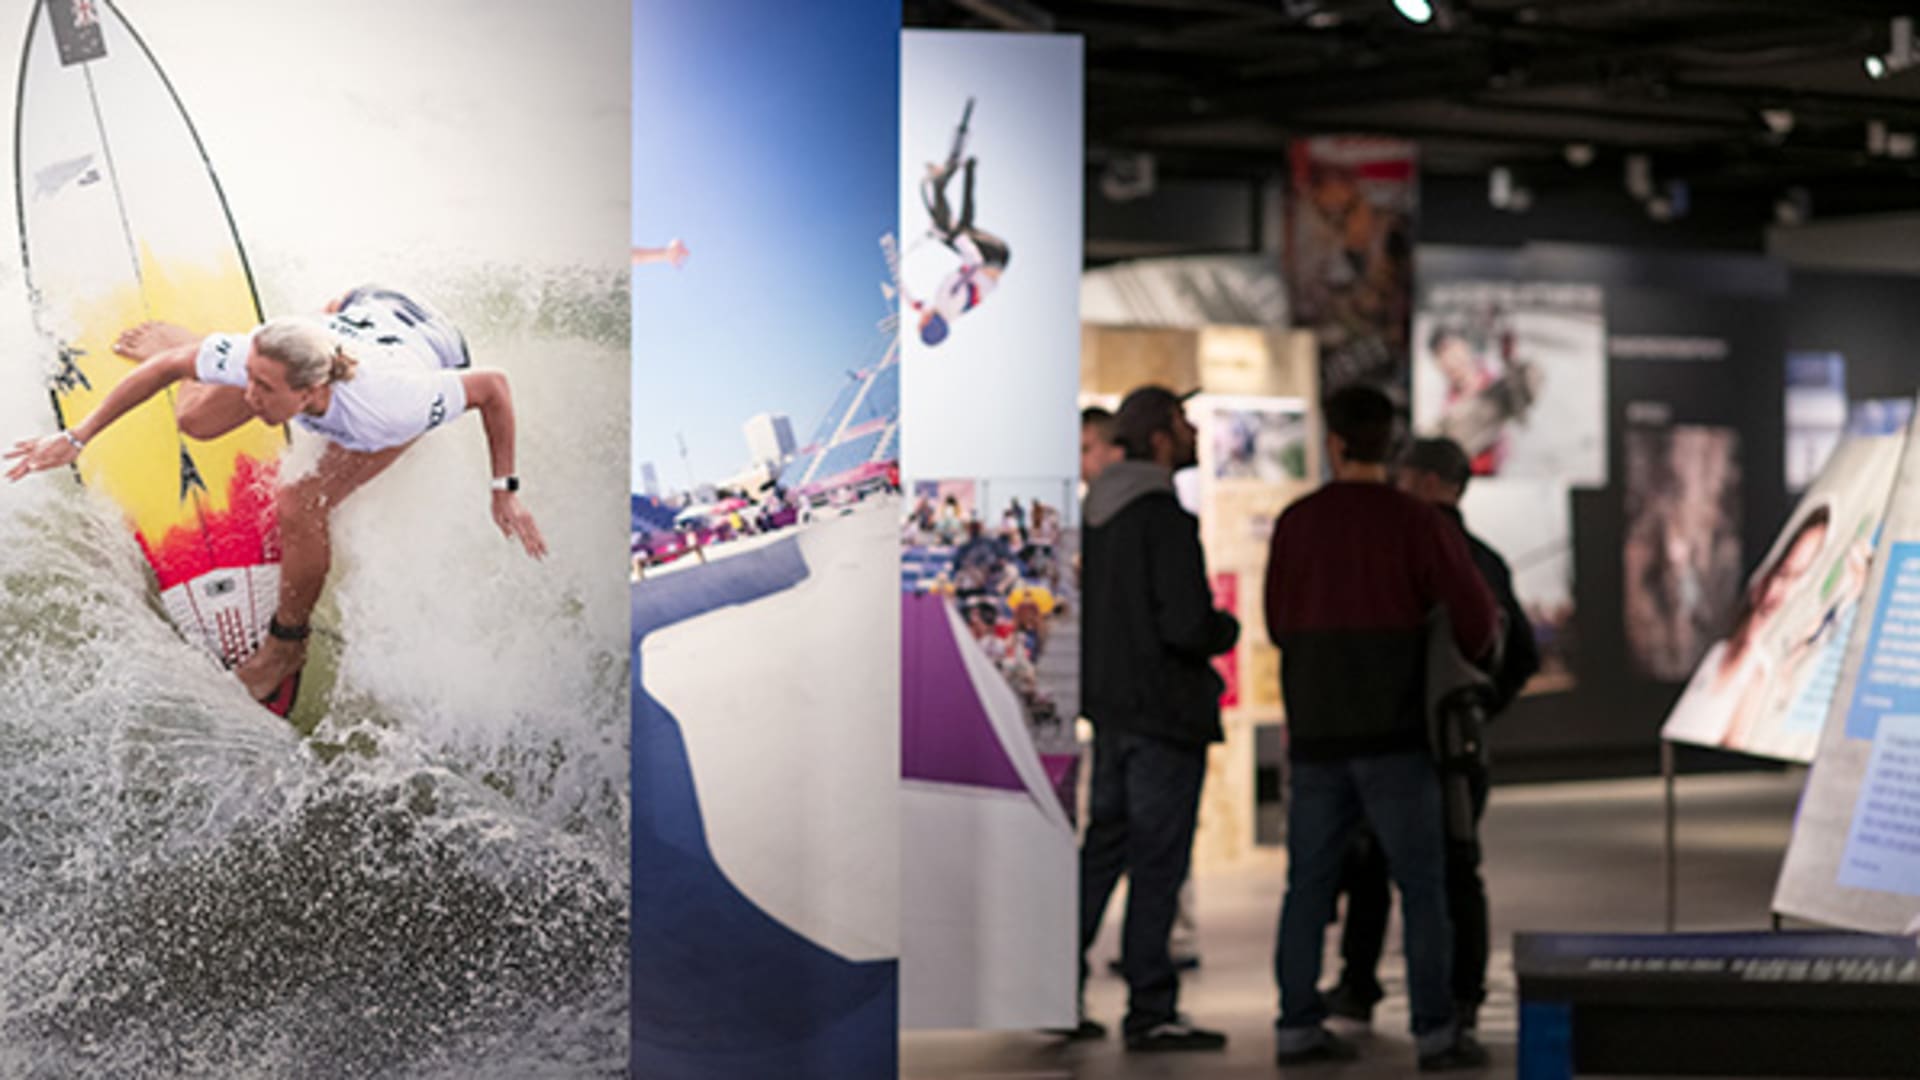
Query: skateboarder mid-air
[983,256]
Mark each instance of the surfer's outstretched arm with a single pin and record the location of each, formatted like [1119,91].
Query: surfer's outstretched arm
[153,375]
[489,392]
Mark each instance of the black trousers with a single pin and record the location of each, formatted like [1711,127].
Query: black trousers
[1140,821]
[1369,901]
[994,252]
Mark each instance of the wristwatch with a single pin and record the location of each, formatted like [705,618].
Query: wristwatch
[506,483]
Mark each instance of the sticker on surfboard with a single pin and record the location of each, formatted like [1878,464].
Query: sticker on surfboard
[122,221]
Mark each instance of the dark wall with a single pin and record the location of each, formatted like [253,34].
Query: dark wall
[1873,320]
[1188,215]
[1590,209]
[1609,723]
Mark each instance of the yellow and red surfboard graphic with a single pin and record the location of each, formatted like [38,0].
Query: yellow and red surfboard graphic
[122,221]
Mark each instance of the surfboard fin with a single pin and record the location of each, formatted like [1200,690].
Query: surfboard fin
[281,702]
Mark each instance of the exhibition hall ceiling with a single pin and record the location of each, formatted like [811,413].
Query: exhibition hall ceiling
[1732,99]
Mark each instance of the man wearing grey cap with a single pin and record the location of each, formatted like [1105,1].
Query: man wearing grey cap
[1148,685]
[1436,471]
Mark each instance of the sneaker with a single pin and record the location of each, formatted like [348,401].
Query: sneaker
[1331,1047]
[1346,1002]
[1087,1030]
[1464,1052]
[1175,1035]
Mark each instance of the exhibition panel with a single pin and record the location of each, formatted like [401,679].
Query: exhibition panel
[1855,856]
[766,929]
[312,323]
[988,277]
[1766,687]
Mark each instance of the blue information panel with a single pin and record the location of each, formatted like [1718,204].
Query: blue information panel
[1883,843]
[1889,680]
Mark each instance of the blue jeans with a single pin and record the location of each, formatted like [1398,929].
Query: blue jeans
[1398,796]
[1140,820]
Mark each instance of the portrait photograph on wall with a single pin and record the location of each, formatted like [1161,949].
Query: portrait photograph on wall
[1516,374]
[1682,560]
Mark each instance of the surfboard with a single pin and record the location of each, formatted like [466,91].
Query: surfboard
[122,220]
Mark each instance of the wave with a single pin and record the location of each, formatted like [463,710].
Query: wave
[190,888]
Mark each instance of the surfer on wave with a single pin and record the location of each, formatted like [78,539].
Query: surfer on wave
[379,371]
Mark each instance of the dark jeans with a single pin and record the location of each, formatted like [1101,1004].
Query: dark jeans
[1146,796]
[1398,796]
[1364,934]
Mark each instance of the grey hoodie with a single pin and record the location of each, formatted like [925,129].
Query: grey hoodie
[1119,484]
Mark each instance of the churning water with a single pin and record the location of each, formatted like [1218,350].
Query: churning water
[436,883]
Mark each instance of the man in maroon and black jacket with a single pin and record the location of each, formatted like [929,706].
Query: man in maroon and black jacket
[1437,471]
[1353,572]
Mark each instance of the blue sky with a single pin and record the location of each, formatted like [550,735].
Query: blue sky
[765,135]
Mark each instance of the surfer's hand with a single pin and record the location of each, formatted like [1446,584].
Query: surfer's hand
[34,455]
[516,524]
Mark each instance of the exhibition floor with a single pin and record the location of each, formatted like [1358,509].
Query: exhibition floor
[1578,856]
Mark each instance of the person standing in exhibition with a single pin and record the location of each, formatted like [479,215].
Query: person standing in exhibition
[1149,688]
[1353,572]
[1097,451]
[1437,471]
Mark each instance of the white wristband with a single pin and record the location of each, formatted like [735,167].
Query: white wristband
[506,483]
[79,444]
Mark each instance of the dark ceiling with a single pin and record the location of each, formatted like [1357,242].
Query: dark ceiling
[1215,88]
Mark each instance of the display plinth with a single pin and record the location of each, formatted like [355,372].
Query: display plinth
[1796,1004]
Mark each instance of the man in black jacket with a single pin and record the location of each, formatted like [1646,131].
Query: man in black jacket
[1436,471]
[1148,685]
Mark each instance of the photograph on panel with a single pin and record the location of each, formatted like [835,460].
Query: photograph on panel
[764,529]
[1531,523]
[989,177]
[988,569]
[1681,559]
[1516,374]
[316,762]
[1764,688]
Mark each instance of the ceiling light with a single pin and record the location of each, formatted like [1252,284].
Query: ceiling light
[1778,121]
[1504,194]
[1640,176]
[1793,207]
[1415,11]
[1899,55]
[1579,154]
[1128,177]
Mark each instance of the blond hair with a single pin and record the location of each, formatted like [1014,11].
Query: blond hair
[310,352]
